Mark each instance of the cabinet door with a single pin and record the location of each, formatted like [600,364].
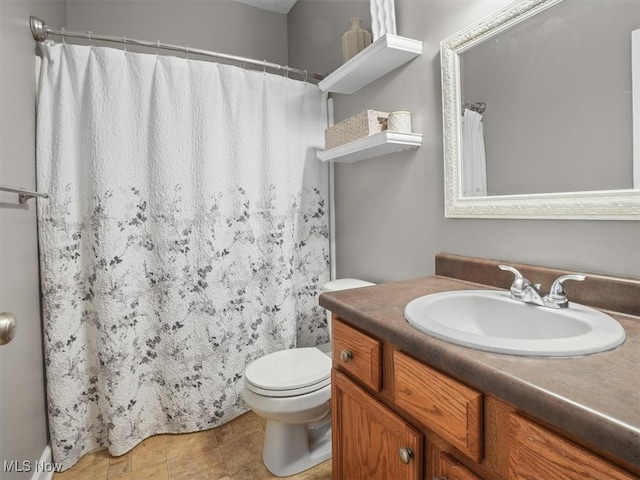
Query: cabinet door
[450,469]
[369,440]
[539,454]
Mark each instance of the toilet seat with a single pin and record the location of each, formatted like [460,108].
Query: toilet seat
[289,373]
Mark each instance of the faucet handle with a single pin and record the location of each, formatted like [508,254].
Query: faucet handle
[519,282]
[557,296]
[512,270]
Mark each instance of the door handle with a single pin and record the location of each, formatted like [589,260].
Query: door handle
[8,326]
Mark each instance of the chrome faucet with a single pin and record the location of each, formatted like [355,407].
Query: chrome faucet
[522,289]
[557,297]
[525,291]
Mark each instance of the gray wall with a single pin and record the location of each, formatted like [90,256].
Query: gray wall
[315,31]
[390,210]
[23,426]
[218,25]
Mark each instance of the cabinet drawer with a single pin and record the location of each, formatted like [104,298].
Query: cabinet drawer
[358,354]
[452,410]
[538,453]
[452,470]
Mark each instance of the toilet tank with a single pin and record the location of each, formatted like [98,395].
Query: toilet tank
[342,284]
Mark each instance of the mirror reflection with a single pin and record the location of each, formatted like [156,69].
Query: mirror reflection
[557,90]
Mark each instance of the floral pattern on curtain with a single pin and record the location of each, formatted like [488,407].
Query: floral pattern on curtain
[186,234]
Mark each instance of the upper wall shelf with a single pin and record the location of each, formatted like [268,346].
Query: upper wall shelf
[385,54]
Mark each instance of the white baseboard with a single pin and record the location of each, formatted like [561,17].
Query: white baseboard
[45,459]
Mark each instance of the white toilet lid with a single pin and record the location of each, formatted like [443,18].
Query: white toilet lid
[345,284]
[289,369]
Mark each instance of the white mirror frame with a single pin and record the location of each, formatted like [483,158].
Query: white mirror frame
[595,205]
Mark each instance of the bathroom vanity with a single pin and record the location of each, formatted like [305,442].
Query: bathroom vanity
[410,406]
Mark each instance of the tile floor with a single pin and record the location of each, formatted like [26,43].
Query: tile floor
[230,452]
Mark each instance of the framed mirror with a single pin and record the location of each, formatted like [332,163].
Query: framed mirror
[538,112]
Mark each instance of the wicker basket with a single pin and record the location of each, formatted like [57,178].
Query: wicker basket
[360,125]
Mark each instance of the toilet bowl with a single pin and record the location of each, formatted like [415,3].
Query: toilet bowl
[291,390]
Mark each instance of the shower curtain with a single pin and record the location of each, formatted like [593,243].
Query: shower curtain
[185,235]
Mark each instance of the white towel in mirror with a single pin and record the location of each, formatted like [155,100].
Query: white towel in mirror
[474,166]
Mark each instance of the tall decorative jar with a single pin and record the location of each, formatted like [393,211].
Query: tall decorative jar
[354,40]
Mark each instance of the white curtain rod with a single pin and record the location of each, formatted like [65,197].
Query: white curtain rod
[41,31]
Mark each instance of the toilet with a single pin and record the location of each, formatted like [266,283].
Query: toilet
[291,390]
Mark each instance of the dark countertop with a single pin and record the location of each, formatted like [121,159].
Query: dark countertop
[595,397]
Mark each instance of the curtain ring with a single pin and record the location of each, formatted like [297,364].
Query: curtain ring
[89,33]
[244,65]
[186,52]
[64,39]
[264,66]
[124,42]
[305,76]
[157,46]
[286,71]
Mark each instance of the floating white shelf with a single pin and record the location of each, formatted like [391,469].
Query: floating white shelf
[372,146]
[385,54]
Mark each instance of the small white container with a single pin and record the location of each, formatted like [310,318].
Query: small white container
[399,122]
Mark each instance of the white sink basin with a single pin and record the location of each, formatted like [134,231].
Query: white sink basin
[492,321]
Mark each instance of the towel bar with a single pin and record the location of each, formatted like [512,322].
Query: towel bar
[23,195]
[479,107]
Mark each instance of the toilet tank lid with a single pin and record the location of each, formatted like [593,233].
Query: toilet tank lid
[345,284]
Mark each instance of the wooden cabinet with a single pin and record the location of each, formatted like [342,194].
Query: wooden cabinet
[358,354]
[537,453]
[451,409]
[371,442]
[387,404]
[450,469]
